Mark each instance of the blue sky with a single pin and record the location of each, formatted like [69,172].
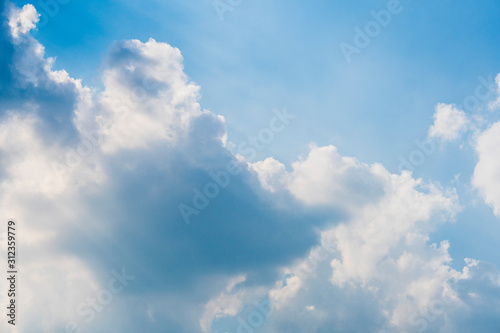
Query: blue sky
[335,163]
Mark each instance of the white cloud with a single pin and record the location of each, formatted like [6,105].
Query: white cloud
[378,265]
[229,303]
[148,98]
[21,21]
[487,172]
[383,248]
[324,178]
[449,123]
[270,173]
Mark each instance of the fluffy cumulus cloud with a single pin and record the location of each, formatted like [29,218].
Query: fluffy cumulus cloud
[147,98]
[377,270]
[379,264]
[449,123]
[23,20]
[487,172]
[322,178]
[95,180]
